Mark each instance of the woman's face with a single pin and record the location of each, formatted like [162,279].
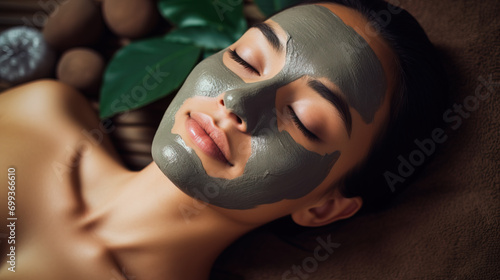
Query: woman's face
[279,115]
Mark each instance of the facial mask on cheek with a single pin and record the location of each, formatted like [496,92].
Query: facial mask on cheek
[278,168]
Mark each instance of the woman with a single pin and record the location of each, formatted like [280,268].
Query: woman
[274,125]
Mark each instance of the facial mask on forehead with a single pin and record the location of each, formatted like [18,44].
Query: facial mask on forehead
[320,45]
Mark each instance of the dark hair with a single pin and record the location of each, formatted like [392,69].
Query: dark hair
[419,99]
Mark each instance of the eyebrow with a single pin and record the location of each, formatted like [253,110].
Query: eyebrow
[270,35]
[336,99]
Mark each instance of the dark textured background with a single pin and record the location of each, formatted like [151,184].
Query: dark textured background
[446,226]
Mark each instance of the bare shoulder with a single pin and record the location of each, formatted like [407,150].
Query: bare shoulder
[43,100]
[51,109]
[53,139]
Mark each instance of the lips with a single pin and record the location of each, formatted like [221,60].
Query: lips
[209,138]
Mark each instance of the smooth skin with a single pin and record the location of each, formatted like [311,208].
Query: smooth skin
[83,215]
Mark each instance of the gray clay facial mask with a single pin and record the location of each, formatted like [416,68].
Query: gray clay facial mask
[320,45]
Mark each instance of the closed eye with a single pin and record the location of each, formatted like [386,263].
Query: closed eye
[234,56]
[301,126]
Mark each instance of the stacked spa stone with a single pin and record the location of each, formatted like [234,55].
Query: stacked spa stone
[85,30]
[77,37]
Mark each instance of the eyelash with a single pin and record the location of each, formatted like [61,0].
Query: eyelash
[301,126]
[234,56]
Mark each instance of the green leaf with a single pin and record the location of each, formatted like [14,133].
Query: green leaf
[223,15]
[270,7]
[207,37]
[143,72]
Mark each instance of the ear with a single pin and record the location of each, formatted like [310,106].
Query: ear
[330,208]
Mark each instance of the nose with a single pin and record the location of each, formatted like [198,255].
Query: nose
[252,105]
[235,119]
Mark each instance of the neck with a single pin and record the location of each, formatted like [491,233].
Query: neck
[154,230]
